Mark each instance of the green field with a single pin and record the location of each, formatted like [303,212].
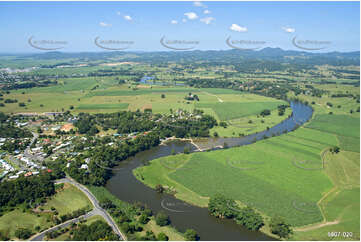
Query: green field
[67,200]
[102,106]
[233,110]
[290,175]
[13,220]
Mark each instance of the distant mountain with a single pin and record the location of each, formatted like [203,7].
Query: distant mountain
[233,56]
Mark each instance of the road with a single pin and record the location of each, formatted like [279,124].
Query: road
[98,210]
[40,236]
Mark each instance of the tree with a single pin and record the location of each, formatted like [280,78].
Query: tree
[23,233]
[250,219]
[162,96]
[223,124]
[162,219]
[162,237]
[143,218]
[159,188]
[279,227]
[222,207]
[191,235]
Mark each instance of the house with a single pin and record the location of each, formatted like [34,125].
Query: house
[84,166]
[28,174]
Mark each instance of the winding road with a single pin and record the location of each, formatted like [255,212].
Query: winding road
[98,210]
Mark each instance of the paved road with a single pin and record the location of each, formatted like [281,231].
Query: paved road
[97,208]
[40,237]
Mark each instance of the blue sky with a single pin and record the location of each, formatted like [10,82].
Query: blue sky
[274,24]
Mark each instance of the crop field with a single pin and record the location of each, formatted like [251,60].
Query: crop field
[286,175]
[349,138]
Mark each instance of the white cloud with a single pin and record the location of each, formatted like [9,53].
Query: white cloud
[237,28]
[199,4]
[206,11]
[207,20]
[184,20]
[118,13]
[103,24]
[191,15]
[288,29]
[174,22]
[127,17]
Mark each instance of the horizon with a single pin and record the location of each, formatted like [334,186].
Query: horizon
[170,51]
[320,27]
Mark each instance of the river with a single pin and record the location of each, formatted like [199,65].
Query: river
[182,215]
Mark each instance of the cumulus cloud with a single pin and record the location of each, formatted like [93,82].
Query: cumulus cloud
[103,24]
[237,28]
[207,20]
[174,22]
[184,20]
[191,15]
[206,11]
[127,17]
[288,29]
[199,4]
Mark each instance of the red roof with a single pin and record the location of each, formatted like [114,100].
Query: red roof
[49,170]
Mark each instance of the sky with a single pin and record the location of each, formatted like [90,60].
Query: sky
[164,26]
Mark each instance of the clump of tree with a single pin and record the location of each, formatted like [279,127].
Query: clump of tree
[23,233]
[222,207]
[279,227]
[25,189]
[249,218]
[162,219]
[265,112]
[191,235]
[98,230]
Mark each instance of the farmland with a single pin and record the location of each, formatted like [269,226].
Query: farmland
[297,178]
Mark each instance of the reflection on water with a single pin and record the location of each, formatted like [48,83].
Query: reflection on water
[183,216]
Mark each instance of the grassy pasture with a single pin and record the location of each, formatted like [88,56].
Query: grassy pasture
[68,200]
[102,106]
[15,219]
[336,124]
[267,179]
[233,110]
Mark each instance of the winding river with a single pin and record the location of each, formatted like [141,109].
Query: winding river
[182,215]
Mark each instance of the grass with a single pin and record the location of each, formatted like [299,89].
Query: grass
[233,110]
[242,126]
[276,186]
[336,124]
[68,200]
[15,219]
[103,106]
